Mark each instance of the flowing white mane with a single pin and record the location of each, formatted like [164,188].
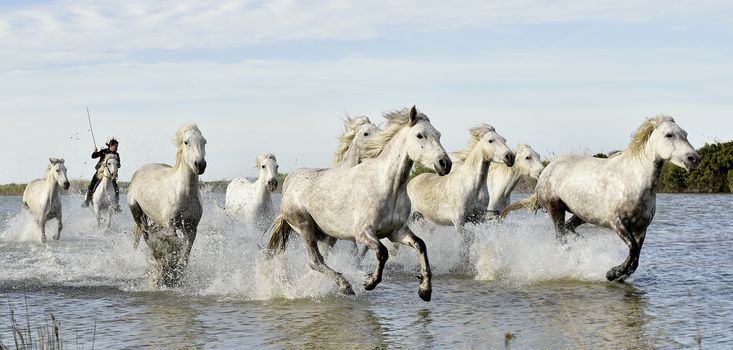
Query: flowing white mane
[642,134]
[396,120]
[476,134]
[351,126]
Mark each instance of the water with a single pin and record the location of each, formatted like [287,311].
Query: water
[546,294]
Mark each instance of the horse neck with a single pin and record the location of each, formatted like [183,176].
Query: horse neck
[502,179]
[187,181]
[351,157]
[646,167]
[50,185]
[474,169]
[395,165]
[261,192]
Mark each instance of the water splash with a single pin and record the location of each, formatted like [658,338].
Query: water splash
[227,258]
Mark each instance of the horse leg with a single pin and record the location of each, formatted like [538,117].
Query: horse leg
[635,259]
[60,226]
[407,237]
[573,223]
[620,272]
[465,241]
[556,209]
[138,216]
[109,219]
[316,263]
[369,239]
[42,223]
[303,223]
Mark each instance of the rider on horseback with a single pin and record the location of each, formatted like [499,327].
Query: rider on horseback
[111,149]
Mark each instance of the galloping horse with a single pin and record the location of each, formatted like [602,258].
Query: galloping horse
[365,202]
[462,195]
[41,197]
[251,201]
[618,192]
[164,199]
[104,194]
[502,179]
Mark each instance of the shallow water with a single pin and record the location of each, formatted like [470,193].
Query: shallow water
[522,281]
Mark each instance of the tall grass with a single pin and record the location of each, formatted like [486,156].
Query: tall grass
[39,336]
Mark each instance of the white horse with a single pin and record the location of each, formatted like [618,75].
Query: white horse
[356,130]
[104,194]
[365,202]
[502,179]
[251,202]
[462,195]
[165,199]
[41,197]
[618,192]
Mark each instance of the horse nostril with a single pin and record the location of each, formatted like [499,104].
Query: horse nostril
[442,163]
[693,159]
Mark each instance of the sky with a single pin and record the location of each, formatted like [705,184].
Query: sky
[279,76]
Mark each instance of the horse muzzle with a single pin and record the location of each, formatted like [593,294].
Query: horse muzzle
[444,166]
[66,185]
[272,185]
[200,167]
[509,159]
[692,161]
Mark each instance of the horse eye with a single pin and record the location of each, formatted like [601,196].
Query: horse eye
[669,135]
[366,134]
[263,167]
[58,171]
[185,143]
[419,136]
[491,141]
[528,158]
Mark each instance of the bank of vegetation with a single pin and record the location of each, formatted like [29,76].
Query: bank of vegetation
[715,175]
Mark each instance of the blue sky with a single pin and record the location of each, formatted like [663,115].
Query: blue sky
[278,76]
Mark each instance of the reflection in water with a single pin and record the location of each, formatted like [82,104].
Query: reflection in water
[609,315]
[323,325]
[164,321]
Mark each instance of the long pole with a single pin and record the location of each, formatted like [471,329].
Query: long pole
[89,118]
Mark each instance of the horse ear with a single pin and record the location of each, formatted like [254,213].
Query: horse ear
[53,160]
[413,116]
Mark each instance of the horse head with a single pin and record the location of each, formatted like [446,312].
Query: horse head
[191,148]
[669,142]
[58,170]
[528,162]
[111,167]
[493,146]
[423,144]
[267,165]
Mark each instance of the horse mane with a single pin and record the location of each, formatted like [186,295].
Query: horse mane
[642,134]
[262,157]
[396,120]
[477,133]
[178,140]
[351,126]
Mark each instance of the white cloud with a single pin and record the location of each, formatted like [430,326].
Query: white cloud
[71,31]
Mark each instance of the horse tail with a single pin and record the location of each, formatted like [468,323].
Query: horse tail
[280,233]
[530,203]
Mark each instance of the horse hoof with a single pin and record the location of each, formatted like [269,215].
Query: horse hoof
[347,290]
[425,294]
[371,283]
